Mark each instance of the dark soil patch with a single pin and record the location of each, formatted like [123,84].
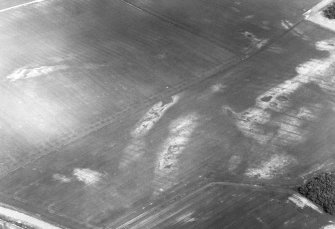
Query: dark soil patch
[321,190]
[266,98]
[329,12]
[282,98]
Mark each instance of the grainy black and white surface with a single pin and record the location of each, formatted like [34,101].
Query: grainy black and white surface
[166,113]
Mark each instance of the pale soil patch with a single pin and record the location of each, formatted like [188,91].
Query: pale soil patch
[330,226]
[180,133]
[217,87]
[167,166]
[153,115]
[136,147]
[253,121]
[87,176]
[272,167]
[33,72]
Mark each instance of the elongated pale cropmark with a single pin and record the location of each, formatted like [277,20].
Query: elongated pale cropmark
[167,167]
[136,147]
[21,5]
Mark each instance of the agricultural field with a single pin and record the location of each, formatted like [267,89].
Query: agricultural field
[167,114]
